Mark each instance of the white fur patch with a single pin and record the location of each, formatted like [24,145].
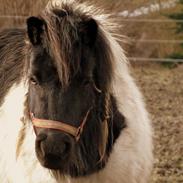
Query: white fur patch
[27,168]
[10,113]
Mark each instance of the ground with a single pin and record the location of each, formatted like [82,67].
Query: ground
[163,91]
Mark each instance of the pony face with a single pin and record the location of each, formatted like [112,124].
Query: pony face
[69,72]
[48,99]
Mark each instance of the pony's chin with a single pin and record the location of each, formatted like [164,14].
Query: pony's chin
[51,166]
[52,163]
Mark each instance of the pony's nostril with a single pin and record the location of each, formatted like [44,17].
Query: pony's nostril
[41,137]
[53,146]
[61,151]
[65,148]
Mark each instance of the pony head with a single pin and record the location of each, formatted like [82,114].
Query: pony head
[69,74]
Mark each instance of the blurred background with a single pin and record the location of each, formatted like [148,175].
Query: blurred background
[155,50]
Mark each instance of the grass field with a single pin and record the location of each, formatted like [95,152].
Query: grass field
[163,91]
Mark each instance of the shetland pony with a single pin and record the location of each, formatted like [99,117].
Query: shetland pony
[70,111]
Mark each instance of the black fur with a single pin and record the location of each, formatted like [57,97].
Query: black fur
[89,30]
[12,59]
[35,30]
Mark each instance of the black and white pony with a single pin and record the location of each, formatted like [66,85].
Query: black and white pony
[69,110]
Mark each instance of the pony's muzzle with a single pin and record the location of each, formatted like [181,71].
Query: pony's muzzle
[53,148]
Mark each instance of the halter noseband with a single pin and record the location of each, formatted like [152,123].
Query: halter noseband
[61,126]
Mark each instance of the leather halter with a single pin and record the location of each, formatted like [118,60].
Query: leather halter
[61,126]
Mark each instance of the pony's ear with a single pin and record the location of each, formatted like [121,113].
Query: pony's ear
[89,31]
[35,30]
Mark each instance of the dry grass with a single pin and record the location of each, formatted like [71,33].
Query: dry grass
[163,91]
[27,8]
[152,31]
[19,7]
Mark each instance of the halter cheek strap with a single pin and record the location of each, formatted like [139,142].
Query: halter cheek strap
[61,126]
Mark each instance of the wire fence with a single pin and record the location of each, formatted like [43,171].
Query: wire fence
[154,41]
[140,20]
[157,41]
[142,59]
[13,16]
[150,41]
[148,20]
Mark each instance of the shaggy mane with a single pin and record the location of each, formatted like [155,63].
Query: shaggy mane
[63,20]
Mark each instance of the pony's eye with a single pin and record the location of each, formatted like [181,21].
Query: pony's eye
[33,80]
